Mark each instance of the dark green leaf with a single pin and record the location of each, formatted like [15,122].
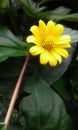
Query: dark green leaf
[10,46]
[30,7]
[3,3]
[74,78]
[3,126]
[76,95]
[6,90]
[60,87]
[44,1]
[12,66]
[51,74]
[44,109]
[14,127]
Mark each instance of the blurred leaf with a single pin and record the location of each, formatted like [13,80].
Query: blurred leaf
[61,13]
[44,1]
[12,66]
[73,33]
[52,74]
[71,17]
[3,3]
[2,108]
[12,13]
[10,46]
[76,96]
[30,7]
[60,87]
[74,78]
[7,86]
[61,10]
[3,126]
[56,14]
[14,127]
[44,109]
[6,90]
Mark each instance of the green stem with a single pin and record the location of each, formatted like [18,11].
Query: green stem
[15,94]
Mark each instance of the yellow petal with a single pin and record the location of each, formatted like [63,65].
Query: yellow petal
[35,50]
[57,56]
[62,52]
[35,30]
[32,39]
[58,30]
[50,27]
[42,28]
[64,45]
[52,61]
[44,58]
[63,39]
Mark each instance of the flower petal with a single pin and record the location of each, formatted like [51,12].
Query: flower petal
[50,27]
[35,50]
[64,45]
[44,58]
[52,61]
[42,28]
[57,56]
[35,30]
[63,39]
[62,52]
[58,30]
[32,39]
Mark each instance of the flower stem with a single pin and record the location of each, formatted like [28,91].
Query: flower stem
[15,94]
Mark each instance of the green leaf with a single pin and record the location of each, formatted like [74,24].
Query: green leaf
[60,87]
[44,1]
[6,91]
[71,17]
[57,14]
[52,74]
[12,66]
[61,13]
[30,7]
[44,109]
[74,78]
[10,46]
[61,10]
[3,126]
[3,3]
[73,33]
[14,127]
[76,95]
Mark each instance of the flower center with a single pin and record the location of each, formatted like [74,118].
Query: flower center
[48,43]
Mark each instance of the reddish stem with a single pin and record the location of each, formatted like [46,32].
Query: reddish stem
[15,94]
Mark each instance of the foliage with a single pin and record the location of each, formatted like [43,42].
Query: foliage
[48,95]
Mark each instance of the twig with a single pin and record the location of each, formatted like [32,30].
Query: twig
[15,94]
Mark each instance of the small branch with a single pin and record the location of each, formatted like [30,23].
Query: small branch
[15,94]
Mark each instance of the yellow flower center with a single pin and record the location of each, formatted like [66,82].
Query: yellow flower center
[47,43]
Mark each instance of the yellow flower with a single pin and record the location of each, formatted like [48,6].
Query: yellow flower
[49,42]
